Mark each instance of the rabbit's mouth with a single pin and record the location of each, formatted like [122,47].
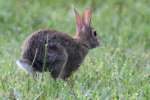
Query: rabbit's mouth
[95,45]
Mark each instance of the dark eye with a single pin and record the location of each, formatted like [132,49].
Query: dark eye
[95,34]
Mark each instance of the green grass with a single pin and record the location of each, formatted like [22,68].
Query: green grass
[119,69]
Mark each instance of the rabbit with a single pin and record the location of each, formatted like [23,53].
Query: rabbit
[57,52]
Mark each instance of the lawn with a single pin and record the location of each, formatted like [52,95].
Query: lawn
[118,70]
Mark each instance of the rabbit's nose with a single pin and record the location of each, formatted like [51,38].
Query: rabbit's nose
[98,42]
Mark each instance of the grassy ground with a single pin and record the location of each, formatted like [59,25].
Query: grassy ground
[120,69]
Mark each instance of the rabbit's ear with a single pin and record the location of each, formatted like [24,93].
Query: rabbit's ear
[87,16]
[79,22]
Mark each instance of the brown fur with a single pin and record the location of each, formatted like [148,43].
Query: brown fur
[64,54]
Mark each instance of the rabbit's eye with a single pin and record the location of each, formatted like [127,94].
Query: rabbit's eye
[95,34]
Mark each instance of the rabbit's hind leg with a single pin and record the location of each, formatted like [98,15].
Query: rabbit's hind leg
[58,66]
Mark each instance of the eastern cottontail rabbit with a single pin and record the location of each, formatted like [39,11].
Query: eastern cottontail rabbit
[56,52]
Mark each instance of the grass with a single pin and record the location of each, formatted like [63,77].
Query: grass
[119,69]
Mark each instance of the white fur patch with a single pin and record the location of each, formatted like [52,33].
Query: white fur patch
[25,66]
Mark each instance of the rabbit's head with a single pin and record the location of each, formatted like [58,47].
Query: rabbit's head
[84,32]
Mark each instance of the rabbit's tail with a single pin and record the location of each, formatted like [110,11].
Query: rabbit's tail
[24,65]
